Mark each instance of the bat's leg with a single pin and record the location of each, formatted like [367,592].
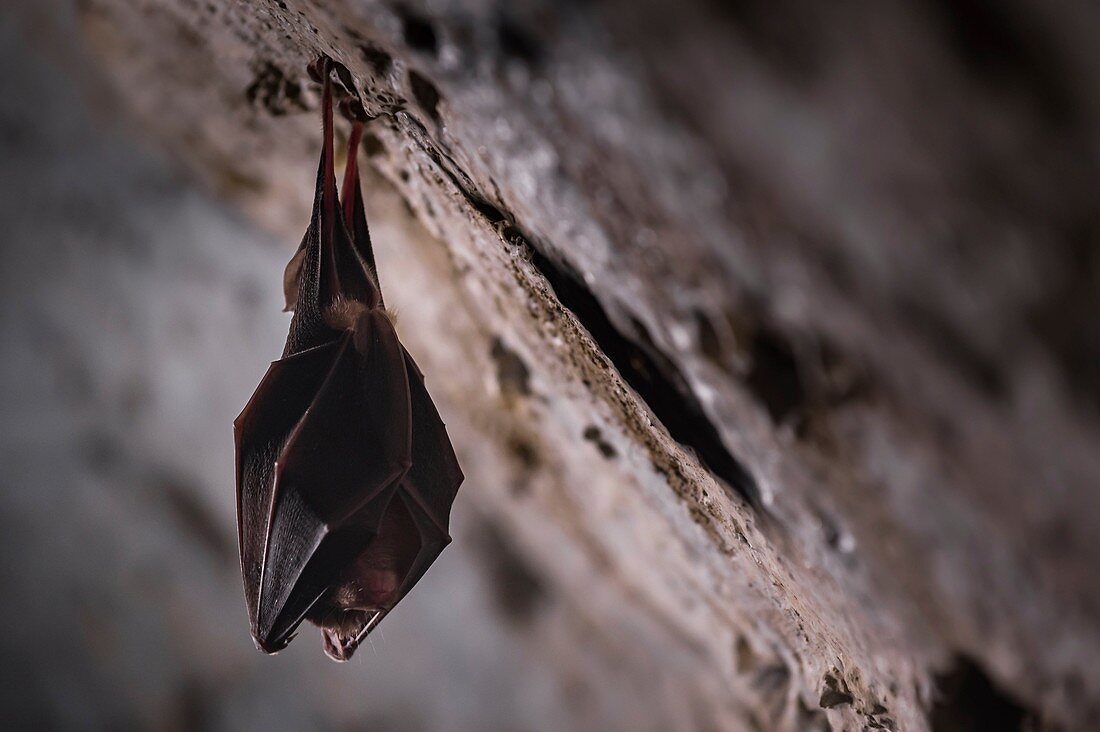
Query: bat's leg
[351,173]
[330,266]
[329,201]
[355,215]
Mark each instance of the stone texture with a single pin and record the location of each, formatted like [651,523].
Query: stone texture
[656,259]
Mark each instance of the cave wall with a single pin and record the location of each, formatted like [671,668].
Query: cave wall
[766,335]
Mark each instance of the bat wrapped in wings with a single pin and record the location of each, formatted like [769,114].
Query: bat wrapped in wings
[345,473]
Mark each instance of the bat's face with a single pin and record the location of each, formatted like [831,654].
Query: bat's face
[370,587]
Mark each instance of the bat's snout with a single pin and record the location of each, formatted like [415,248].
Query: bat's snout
[342,638]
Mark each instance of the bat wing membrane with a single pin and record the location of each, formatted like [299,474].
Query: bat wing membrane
[357,433]
[337,473]
[430,486]
[260,431]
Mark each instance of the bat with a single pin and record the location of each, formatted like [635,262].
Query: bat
[345,473]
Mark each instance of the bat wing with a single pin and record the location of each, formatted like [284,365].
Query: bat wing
[430,486]
[333,479]
[260,431]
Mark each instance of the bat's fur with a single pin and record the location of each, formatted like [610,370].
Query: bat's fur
[370,584]
[378,571]
[343,313]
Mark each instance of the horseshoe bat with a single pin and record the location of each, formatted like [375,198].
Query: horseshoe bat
[345,473]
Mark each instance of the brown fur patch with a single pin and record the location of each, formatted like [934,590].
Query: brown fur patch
[342,314]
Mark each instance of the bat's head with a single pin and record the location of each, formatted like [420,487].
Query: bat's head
[370,586]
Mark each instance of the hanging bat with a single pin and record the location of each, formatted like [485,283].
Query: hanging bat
[345,473]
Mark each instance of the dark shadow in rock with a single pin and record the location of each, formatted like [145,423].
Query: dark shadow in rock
[1007,53]
[425,94]
[272,90]
[380,61]
[593,435]
[775,376]
[512,373]
[968,701]
[419,33]
[650,372]
[517,43]
[518,591]
[836,692]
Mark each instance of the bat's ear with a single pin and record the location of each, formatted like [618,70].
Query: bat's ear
[291,275]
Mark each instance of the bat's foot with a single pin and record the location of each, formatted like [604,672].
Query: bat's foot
[269,647]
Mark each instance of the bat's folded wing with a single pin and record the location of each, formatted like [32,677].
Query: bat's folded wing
[261,430]
[430,486]
[330,480]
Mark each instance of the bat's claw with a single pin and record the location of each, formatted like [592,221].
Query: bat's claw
[271,648]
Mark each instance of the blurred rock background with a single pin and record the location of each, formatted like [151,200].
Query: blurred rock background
[846,259]
[137,314]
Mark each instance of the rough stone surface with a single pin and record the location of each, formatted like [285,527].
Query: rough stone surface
[766,333]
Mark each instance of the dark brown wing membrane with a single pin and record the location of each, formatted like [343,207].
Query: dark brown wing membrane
[357,433]
[338,469]
[432,482]
[260,432]
[435,476]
